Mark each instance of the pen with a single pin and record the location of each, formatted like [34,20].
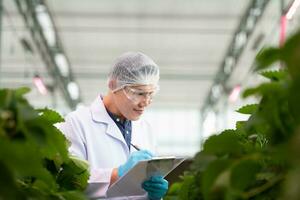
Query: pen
[137,148]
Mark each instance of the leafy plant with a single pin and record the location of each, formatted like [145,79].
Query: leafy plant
[34,161]
[259,160]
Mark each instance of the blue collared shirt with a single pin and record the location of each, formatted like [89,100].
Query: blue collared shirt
[124,126]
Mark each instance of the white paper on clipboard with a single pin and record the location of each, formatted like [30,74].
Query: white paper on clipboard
[130,183]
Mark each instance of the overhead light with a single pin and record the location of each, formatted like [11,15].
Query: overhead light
[290,13]
[255,11]
[62,64]
[46,23]
[216,91]
[250,22]
[229,62]
[283,22]
[234,95]
[73,90]
[240,39]
[40,85]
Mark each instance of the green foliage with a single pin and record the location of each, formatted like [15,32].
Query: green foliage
[248,109]
[275,75]
[267,57]
[259,160]
[34,161]
[243,174]
[74,176]
[227,143]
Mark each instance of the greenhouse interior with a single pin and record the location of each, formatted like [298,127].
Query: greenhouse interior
[149,99]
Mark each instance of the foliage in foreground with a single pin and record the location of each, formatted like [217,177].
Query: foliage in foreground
[34,161]
[258,160]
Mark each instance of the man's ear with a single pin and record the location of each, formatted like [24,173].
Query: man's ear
[112,84]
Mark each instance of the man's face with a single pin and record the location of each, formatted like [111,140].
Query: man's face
[131,101]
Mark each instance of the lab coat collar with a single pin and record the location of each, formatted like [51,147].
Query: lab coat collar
[98,111]
[99,114]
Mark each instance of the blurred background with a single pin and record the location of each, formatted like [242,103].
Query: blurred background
[62,50]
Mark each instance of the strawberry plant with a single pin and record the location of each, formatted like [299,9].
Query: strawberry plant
[259,159]
[34,161]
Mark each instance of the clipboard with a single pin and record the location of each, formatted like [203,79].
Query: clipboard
[175,175]
[130,183]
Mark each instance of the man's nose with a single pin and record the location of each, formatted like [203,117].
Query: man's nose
[145,102]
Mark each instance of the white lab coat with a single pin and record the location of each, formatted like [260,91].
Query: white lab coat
[95,137]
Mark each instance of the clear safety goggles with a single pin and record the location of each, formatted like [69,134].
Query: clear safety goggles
[137,95]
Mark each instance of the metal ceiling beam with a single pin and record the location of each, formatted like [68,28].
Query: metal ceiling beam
[234,51]
[41,25]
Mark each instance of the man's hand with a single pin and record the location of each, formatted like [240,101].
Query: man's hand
[134,158]
[156,187]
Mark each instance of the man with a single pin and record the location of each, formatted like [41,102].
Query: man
[106,133]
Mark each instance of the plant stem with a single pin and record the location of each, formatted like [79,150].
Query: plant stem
[255,191]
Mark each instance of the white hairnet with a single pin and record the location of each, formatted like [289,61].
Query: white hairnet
[134,68]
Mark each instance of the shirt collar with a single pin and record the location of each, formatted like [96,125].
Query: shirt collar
[117,119]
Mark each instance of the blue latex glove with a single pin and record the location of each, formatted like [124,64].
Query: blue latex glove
[134,158]
[156,187]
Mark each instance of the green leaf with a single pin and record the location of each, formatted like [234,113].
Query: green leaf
[20,92]
[201,161]
[56,144]
[51,141]
[291,185]
[291,55]
[83,164]
[51,115]
[8,97]
[25,112]
[211,175]
[74,174]
[266,88]
[25,160]
[8,186]
[188,188]
[243,174]
[275,75]
[267,57]
[240,125]
[32,152]
[250,91]
[72,195]
[248,109]
[293,101]
[174,189]
[225,143]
